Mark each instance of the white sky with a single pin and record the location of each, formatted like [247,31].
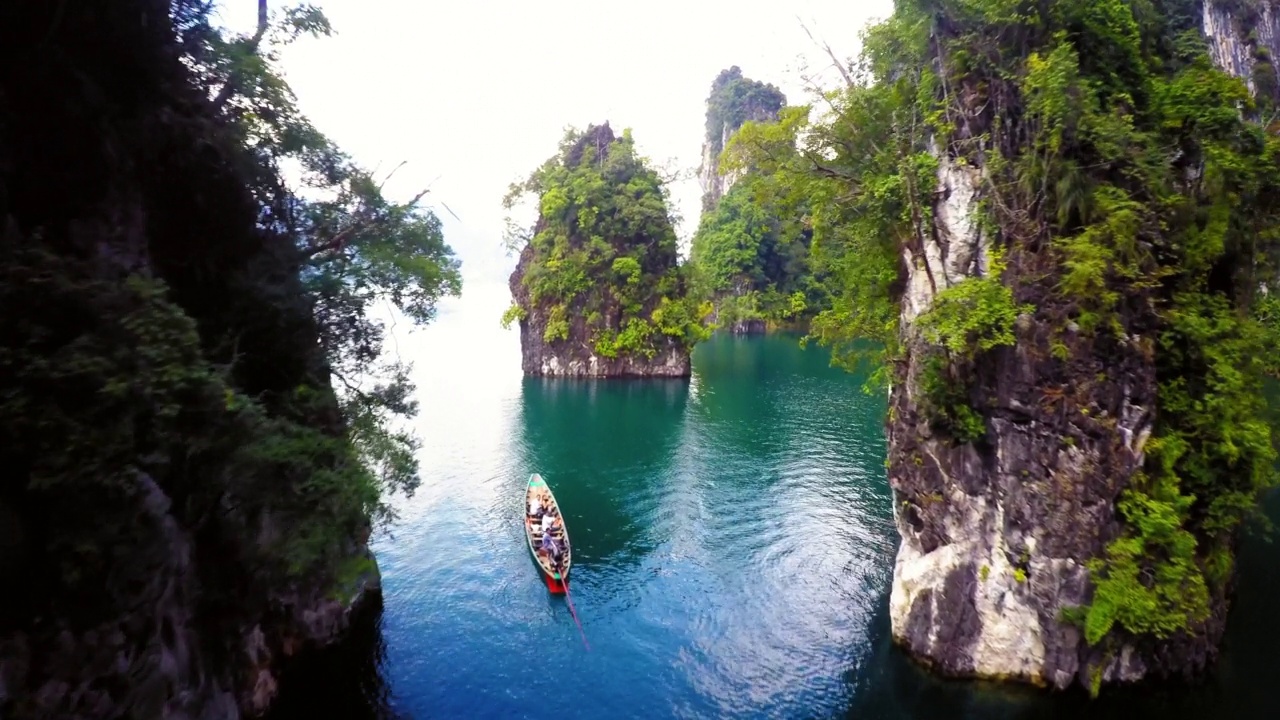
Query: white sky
[475,94]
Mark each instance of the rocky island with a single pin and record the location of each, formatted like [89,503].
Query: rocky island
[750,256]
[1055,219]
[598,290]
[733,101]
[1076,430]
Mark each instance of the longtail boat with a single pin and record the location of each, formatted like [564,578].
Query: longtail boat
[537,496]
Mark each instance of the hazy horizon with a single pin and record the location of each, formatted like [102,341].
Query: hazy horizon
[474,97]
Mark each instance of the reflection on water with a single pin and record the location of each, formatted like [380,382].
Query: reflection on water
[585,438]
[734,548]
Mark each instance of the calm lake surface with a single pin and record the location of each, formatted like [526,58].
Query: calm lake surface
[733,548]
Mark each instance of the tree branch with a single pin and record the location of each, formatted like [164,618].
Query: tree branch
[233,82]
[359,395]
[828,171]
[848,79]
[340,239]
[390,174]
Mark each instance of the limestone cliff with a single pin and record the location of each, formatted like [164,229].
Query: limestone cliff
[1004,530]
[996,535]
[1244,38]
[597,290]
[751,252]
[734,100]
[138,517]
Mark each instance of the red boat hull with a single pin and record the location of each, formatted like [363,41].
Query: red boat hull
[555,586]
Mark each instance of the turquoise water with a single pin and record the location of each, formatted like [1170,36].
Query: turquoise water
[733,548]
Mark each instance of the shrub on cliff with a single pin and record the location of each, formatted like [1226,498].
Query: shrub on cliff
[1134,193]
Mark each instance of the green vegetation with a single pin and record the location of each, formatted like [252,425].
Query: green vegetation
[234,372]
[945,390]
[602,258]
[1125,188]
[845,183]
[750,255]
[753,265]
[735,100]
[973,316]
[354,248]
[1177,596]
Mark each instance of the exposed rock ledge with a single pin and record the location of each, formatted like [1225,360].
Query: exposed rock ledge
[748,327]
[321,622]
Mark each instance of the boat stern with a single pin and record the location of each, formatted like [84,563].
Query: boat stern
[555,584]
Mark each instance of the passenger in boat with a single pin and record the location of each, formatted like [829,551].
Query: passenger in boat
[548,521]
[550,547]
[535,507]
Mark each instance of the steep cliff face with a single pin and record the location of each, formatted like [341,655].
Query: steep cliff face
[714,184]
[1243,38]
[598,291]
[996,534]
[1019,472]
[137,526]
[575,355]
[734,100]
[751,252]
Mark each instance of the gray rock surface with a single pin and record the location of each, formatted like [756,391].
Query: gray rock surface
[996,534]
[575,357]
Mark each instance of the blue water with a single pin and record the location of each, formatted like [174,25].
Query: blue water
[733,549]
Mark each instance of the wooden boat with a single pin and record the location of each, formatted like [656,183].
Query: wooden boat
[537,488]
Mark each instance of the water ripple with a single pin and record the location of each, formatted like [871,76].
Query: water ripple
[730,539]
[733,543]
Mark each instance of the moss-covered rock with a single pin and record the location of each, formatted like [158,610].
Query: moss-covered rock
[734,100]
[598,291]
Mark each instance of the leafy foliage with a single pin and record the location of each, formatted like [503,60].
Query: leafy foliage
[200,311]
[355,247]
[734,100]
[946,400]
[852,232]
[1130,189]
[751,253]
[971,317]
[603,252]
[751,262]
[1149,581]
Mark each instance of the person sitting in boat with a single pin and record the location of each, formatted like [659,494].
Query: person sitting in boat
[535,508]
[551,548]
[548,521]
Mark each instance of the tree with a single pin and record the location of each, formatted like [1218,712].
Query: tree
[355,248]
